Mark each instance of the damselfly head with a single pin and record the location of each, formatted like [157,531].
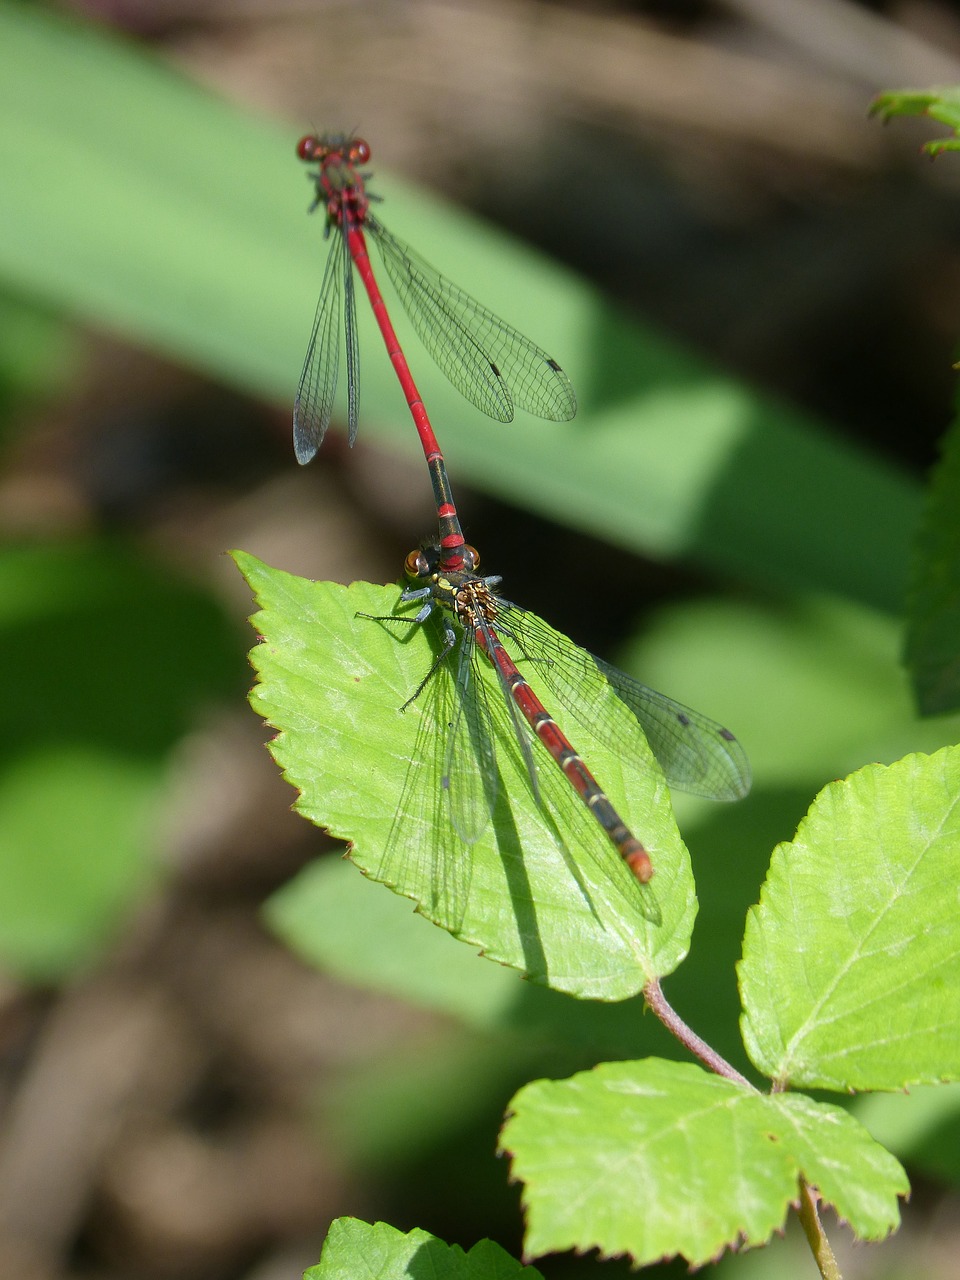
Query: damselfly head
[426,560]
[313,148]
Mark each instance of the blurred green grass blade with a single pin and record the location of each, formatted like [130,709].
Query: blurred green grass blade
[811,686]
[135,199]
[331,919]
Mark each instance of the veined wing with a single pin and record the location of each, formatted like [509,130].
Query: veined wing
[313,407]
[696,753]
[469,779]
[490,363]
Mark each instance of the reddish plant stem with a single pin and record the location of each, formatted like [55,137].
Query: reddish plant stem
[657,1001]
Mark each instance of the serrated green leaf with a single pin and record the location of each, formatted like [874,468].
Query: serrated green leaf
[355,1250]
[653,1159]
[542,890]
[850,977]
[932,650]
[852,1172]
[941,104]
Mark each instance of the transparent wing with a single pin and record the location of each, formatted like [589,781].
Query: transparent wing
[422,848]
[313,407]
[696,753]
[493,365]
[469,778]
[431,837]
[578,836]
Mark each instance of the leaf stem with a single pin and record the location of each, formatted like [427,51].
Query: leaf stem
[657,1001]
[816,1238]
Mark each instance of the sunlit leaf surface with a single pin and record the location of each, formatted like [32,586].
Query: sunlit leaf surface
[850,977]
[542,890]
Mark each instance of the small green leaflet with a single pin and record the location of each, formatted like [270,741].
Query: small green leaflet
[938,104]
[355,1250]
[542,890]
[850,977]
[652,1159]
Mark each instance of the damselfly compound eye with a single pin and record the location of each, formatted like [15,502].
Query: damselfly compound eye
[416,565]
[308,147]
[359,151]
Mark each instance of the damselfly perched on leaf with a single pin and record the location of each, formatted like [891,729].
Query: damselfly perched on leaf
[696,754]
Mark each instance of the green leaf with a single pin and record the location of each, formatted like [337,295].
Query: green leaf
[329,917]
[355,1250]
[850,977]
[654,1158]
[933,625]
[110,659]
[939,104]
[122,617]
[75,825]
[542,890]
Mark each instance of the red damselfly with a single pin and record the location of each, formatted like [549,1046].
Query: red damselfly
[496,368]
[696,754]
[491,364]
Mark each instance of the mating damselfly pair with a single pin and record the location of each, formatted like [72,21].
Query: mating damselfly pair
[496,368]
